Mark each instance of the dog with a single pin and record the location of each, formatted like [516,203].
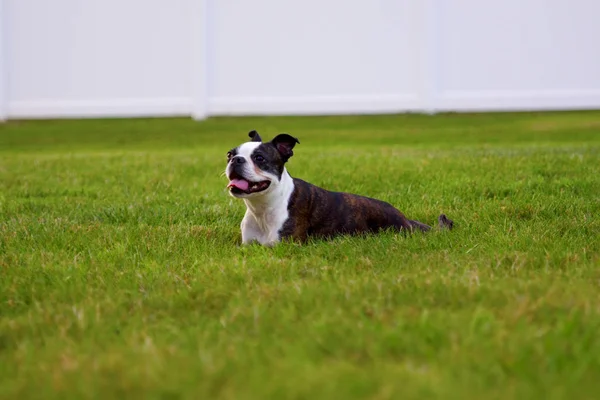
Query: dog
[279,207]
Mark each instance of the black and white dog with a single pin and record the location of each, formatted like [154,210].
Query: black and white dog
[281,207]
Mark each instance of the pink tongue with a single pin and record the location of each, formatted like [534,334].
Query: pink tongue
[239,183]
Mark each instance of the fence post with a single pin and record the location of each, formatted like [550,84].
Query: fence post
[3,66]
[431,49]
[199,70]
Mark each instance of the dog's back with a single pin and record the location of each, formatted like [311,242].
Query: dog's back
[314,211]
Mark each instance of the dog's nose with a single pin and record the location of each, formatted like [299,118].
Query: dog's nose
[239,160]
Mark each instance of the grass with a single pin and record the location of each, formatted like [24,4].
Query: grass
[121,273]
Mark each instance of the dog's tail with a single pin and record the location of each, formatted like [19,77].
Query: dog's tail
[445,222]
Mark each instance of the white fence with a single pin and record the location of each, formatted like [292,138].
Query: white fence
[80,58]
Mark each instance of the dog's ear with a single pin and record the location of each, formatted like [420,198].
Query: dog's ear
[284,144]
[254,136]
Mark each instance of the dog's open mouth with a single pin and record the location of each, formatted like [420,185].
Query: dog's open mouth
[240,185]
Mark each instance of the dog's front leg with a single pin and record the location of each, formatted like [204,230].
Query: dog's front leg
[252,232]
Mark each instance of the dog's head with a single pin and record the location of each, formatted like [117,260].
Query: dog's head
[255,168]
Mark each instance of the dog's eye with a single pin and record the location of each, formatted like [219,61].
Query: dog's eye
[229,155]
[259,158]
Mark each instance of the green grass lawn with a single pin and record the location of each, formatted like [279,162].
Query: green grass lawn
[121,273]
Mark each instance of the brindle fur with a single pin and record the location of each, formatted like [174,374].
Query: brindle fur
[317,212]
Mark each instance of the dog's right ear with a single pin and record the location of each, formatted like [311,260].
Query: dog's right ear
[255,136]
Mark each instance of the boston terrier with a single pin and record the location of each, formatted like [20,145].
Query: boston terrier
[280,207]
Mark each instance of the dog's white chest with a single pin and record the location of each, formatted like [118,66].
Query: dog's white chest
[264,228]
[266,215]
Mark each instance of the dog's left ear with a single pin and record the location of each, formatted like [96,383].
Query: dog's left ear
[284,144]
[255,136]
